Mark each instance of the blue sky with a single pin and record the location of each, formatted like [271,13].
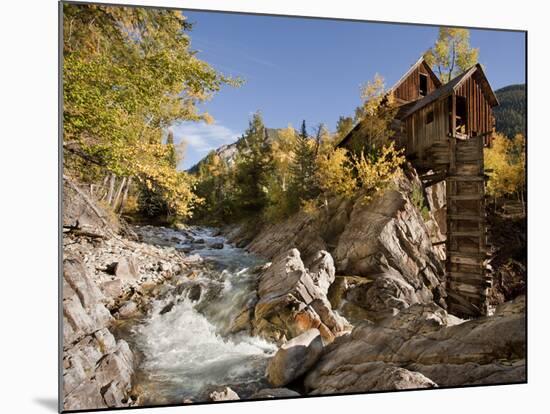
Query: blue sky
[312,69]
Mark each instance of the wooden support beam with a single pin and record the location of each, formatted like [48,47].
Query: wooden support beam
[466,178]
[467,290]
[469,233]
[459,259]
[480,255]
[466,197]
[466,217]
[467,275]
[480,283]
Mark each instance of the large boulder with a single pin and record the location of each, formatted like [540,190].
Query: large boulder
[423,346]
[387,239]
[294,358]
[292,300]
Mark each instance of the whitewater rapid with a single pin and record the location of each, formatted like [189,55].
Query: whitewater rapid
[187,349]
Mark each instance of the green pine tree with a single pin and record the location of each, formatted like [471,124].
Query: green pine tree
[254,163]
[303,185]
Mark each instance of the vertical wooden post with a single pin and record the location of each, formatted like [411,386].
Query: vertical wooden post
[452,155]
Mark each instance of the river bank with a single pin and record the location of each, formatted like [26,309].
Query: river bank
[157,315]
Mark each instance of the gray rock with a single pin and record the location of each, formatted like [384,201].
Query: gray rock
[224,394]
[422,346]
[216,246]
[126,269]
[294,358]
[83,310]
[192,259]
[321,270]
[97,369]
[274,393]
[112,288]
[128,309]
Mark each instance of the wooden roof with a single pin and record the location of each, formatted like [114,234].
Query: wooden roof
[475,71]
[419,62]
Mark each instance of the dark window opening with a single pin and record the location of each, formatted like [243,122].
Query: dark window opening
[423,84]
[430,117]
[461,114]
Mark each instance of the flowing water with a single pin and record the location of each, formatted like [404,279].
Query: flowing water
[187,349]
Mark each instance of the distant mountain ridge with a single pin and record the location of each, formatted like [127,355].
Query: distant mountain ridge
[511,112]
[228,152]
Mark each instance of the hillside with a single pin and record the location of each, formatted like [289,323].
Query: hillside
[511,113]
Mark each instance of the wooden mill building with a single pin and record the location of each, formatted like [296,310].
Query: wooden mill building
[443,129]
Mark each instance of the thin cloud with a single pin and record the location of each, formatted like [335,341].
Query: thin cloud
[204,137]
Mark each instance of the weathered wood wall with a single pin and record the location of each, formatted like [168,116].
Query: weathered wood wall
[421,134]
[480,114]
[409,89]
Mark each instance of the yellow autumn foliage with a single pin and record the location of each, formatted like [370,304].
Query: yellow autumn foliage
[505,162]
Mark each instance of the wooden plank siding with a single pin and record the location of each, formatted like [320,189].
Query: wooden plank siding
[409,89]
[480,114]
[421,134]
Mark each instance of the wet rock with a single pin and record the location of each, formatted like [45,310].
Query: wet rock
[166,308]
[216,246]
[423,346]
[274,393]
[194,293]
[223,394]
[198,241]
[243,321]
[294,358]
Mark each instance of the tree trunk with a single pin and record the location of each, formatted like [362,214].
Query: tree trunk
[111,189]
[522,202]
[118,193]
[103,186]
[125,195]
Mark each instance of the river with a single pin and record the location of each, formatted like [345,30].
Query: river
[183,344]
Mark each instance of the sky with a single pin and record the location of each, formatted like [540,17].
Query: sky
[295,69]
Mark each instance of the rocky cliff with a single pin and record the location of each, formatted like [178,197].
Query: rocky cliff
[382,250]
